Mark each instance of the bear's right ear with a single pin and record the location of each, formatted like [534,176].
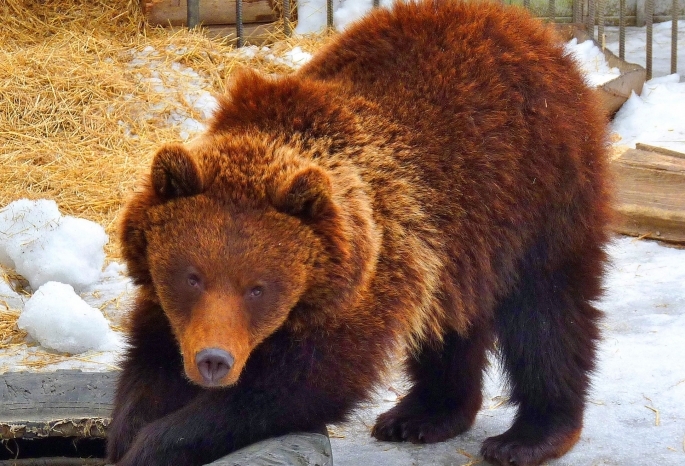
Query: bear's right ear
[306,194]
[174,173]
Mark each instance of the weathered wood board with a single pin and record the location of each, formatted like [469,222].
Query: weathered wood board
[650,199]
[61,403]
[174,12]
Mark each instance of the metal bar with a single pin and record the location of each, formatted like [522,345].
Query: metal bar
[287,30]
[577,11]
[674,37]
[552,10]
[329,14]
[192,13]
[239,23]
[622,29]
[526,4]
[649,19]
[591,18]
[376,3]
[601,38]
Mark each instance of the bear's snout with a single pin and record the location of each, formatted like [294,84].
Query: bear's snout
[213,364]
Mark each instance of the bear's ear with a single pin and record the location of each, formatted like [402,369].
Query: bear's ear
[174,173]
[306,194]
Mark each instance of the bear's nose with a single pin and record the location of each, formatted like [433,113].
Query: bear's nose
[213,364]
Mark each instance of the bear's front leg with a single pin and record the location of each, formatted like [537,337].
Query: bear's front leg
[151,384]
[284,388]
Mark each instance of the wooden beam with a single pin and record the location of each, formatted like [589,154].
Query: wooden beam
[174,12]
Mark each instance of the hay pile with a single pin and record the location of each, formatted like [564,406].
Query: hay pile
[88,91]
[78,122]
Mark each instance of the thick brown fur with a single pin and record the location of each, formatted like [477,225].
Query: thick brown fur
[435,178]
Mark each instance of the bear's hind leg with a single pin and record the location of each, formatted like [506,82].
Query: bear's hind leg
[446,392]
[547,331]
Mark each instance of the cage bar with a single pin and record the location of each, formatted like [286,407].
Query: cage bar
[649,20]
[239,23]
[193,13]
[590,20]
[674,36]
[601,38]
[329,14]
[622,29]
[287,30]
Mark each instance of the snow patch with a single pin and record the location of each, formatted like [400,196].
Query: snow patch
[42,245]
[656,116]
[591,61]
[59,319]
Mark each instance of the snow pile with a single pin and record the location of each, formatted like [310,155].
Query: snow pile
[60,256]
[591,62]
[311,14]
[42,245]
[182,87]
[655,117]
[60,320]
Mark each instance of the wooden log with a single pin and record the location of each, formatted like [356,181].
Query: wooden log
[174,12]
[650,200]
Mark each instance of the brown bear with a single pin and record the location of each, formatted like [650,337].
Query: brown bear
[432,181]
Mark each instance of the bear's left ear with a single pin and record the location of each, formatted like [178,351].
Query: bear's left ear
[306,194]
[174,173]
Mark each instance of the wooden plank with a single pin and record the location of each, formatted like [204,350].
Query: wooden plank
[61,403]
[650,199]
[659,150]
[174,12]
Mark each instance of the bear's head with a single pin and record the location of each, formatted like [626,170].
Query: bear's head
[236,237]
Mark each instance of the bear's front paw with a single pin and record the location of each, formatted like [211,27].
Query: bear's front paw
[416,425]
[520,447]
[119,440]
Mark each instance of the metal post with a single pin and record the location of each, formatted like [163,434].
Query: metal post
[193,13]
[526,4]
[552,10]
[600,24]
[622,29]
[674,37]
[329,14]
[239,22]
[286,18]
[577,11]
[377,3]
[591,18]
[649,19]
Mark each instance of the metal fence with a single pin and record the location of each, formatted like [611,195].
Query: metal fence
[591,13]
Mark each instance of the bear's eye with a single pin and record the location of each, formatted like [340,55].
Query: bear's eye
[194,281]
[256,292]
